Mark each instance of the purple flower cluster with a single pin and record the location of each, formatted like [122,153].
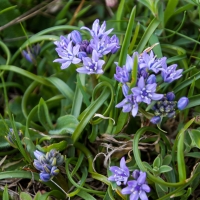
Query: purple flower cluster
[47,163]
[137,188]
[144,91]
[73,49]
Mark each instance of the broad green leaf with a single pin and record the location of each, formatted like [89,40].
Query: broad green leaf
[38,196]
[25,196]
[195,136]
[157,161]
[65,124]
[159,190]
[60,146]
[167,160]
[165,168]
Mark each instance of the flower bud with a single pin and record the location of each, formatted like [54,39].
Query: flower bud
[136,174]
[182,103]
[45,176]
[171,114]
[114,39]
[54,171]
[151,79]
[155,119]
[161,108]
[38,154]
[170,96]
[53,161]
[47,168]
[28,56]
[38,165]
[76,37]
[82,54]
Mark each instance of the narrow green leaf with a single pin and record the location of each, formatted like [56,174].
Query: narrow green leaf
[85,195]
[187,82]
[179,142]
[170,9]
[122,120]
[135,35]
[43,115]
[127,38]
[119,14]
[62,87]
[5,193]
[88,115]
[147,34]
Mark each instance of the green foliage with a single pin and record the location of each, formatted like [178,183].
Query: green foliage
[76,114]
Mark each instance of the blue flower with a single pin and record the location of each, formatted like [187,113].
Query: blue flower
[129,104]
[182,103]
[68,55]
[169,74]
[63,43]
[150,62]
[103,46]
[145,93]
[120,174]
[91,65]
[97,30]
[123,74]
[47,163]
[114,40]
[137,188]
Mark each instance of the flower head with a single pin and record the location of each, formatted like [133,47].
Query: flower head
[68,55]
[169,74]
[129,104]
[97,30]
[104,45]
[150,62]
[120,174]
[91,65]
[145,93]
[47,163]
[137,188]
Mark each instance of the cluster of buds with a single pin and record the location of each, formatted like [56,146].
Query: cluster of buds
[11,137]
[47,163]
[165,107]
